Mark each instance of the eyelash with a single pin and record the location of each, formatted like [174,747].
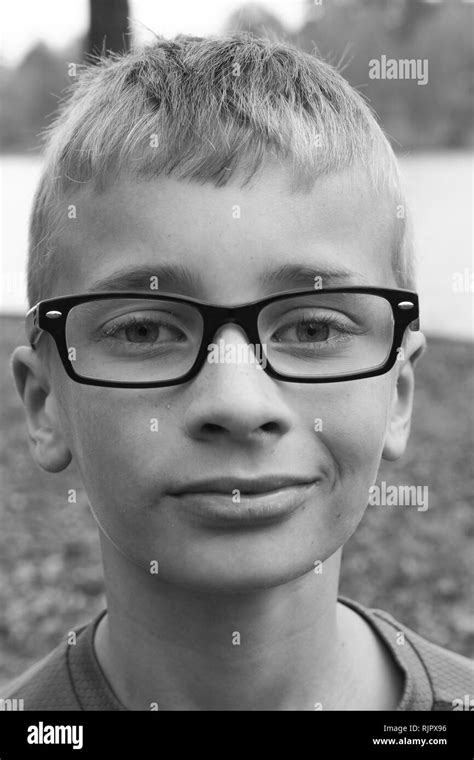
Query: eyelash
[325,319]
[133,321]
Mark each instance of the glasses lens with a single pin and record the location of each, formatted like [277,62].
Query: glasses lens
[327,334]
[133,339]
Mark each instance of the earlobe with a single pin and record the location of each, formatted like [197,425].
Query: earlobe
[50,451]
[47,445]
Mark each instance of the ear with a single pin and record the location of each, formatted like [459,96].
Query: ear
[401,402]
[45,440]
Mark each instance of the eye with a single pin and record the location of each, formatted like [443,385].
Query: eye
[309,330]
[145,330]
[314,329]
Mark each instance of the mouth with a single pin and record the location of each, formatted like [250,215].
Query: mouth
[245,502]
[249,486]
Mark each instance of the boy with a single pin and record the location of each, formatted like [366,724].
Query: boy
[201,197]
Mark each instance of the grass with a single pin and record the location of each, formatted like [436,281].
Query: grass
[416,565]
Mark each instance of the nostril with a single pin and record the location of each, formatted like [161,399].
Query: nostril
[210,427]
[270,427]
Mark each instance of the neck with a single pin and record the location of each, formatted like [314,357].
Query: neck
[281,648]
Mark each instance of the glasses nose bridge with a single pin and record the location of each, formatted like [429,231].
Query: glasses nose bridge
[244,317]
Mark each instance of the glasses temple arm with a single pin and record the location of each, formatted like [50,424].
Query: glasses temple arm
[33,332]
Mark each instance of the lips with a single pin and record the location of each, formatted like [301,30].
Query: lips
[233,503]
[248,486]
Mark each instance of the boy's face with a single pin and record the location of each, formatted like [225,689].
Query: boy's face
[231,420]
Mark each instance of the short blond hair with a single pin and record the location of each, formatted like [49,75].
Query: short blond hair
[202,109]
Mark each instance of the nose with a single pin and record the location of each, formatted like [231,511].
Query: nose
[236,400]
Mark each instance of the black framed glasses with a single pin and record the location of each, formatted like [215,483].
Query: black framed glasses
[144,340]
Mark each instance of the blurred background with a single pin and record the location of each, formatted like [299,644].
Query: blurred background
[417,565]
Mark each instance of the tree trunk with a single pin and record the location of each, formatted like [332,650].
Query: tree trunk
[109,27]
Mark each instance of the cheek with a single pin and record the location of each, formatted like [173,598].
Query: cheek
[118,444]
[353,418]
[123,460]
[356,429]
[349,418]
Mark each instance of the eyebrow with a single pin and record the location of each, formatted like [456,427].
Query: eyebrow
[172,277]
[302,275]
[178,279]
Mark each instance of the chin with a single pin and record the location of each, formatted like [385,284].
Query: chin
[233,578]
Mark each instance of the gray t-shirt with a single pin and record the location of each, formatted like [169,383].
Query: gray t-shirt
[70,677]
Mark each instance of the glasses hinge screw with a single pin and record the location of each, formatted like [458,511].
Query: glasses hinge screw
[406,305]
[53,314]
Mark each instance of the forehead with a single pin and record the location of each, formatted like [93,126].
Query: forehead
[226,241]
